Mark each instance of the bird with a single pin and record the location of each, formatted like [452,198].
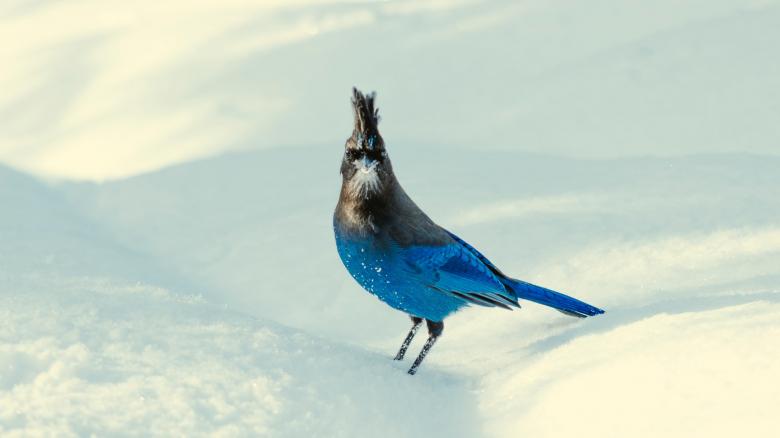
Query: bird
[398,254]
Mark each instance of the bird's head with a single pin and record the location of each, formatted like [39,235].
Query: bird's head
[365,168]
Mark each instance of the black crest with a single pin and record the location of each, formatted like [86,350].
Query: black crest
[366,117]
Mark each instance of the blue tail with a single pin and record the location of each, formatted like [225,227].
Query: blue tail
[564,303]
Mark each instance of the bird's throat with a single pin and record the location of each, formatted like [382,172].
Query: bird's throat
[365,183]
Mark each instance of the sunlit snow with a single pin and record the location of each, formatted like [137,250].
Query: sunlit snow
[625,153]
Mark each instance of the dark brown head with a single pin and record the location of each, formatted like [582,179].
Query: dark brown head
[365,168]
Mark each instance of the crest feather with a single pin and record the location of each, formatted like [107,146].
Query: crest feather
[366,115]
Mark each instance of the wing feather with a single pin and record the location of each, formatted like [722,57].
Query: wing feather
[455,270]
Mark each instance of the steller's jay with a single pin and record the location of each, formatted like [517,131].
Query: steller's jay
[397,253]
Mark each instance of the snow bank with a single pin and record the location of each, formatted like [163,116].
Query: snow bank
[604,77]
[107,353]
[204,299]
[710,373]
[95,357]
[207,298]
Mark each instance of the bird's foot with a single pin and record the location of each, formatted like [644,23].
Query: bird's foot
[435,330]
[426,348]
[413,331]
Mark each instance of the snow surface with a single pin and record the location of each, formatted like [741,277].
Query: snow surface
[575,78]
[208,298]
[623,152]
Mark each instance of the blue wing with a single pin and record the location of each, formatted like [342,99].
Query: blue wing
[455,270]
[521,289]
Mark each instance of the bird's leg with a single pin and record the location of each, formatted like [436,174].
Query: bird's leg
[413,331]
[435,330]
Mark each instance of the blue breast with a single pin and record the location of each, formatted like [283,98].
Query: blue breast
[380,267]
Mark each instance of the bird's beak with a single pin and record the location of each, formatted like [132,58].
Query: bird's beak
[366,165]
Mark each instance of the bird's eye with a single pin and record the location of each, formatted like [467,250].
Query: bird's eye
[374,155]
[353,154]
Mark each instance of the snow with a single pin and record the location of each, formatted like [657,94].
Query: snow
[600,78]
[685,374]
[623,152]
[198,300]
[106,359]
